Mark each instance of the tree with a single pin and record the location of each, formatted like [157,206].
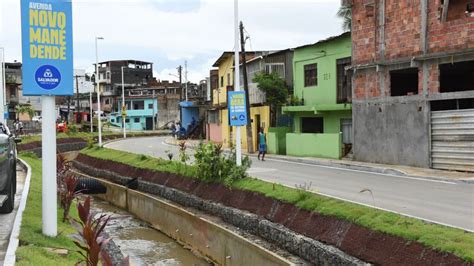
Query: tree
[276,92]
[345,12]
[25,109]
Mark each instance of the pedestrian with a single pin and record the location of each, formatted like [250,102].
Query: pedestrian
[21,127]
[262,144]
[16,125]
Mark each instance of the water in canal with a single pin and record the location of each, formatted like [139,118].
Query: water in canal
[144,245]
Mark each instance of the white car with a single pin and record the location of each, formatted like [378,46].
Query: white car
[37,118]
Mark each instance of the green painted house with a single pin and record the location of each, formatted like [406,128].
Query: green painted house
[321,105]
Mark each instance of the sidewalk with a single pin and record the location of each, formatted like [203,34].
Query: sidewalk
[398,170]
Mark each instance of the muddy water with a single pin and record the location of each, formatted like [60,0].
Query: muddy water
[144,245]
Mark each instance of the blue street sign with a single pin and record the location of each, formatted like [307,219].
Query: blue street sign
[46,27]
[237,108]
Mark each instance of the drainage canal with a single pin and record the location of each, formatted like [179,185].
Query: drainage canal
[143,244]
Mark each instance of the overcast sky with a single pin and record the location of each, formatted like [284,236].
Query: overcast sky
[168,32]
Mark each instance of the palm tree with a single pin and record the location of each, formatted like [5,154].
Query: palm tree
[345,12]
[25,109]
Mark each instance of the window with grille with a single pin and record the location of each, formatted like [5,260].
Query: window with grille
[278,68]
[344,81]
[311,75]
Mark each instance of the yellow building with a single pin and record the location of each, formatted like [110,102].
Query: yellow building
[259,114]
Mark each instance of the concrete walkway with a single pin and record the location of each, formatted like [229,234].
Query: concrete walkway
[361,166]
[7,220]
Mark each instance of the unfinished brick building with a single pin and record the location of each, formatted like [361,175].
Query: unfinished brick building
[413,82]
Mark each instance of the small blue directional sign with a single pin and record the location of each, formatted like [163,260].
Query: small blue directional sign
[237,108]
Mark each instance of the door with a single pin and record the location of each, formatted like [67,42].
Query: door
[452,140]
[149,123]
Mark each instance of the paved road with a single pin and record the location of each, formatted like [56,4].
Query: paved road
[6,220]
[449,203]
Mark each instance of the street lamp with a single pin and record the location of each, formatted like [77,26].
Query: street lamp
[99,122]
[123,106]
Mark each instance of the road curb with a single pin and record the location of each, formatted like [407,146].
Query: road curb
[347,166]
[10,256]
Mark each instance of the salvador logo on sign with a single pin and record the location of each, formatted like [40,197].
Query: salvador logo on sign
[48,77]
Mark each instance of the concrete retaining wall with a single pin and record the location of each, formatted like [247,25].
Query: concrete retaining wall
[207,238]
[305,247]
[392,133]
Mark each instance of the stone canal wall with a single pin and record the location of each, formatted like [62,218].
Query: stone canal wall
[314,237]
[213,241]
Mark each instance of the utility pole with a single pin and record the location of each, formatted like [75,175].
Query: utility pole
[78,120]
[238,137]
[186,79]
[180,73]
[246,89]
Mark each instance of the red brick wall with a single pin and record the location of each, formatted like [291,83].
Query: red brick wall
[366,82]
[363,32]
[454,34]
[402,28]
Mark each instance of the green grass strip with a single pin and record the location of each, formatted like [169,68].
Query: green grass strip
[32,242]
[442,238]
[84,135]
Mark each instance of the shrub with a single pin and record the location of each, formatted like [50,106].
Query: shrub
[213,166]
[183,156]
[89,238]
[72,129]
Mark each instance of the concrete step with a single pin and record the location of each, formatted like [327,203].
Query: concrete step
[3,198]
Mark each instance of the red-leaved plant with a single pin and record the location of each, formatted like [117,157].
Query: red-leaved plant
[67,184]
[89,238]
[67,193]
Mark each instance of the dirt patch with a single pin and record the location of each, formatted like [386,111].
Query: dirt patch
[370,246]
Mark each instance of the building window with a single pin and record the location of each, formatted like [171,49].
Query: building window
[150,106]
[404,82]
[107,101]
[311,75]
[456,9]
[456,77]
[213,117]
[127,120]
[313,125]
[138,105]
[344,80]
[127,103]
[136,120]
[112,120]
[108,75]
[228,79]
[278,68]
[222,81]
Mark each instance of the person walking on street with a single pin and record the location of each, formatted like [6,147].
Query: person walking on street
[262,144]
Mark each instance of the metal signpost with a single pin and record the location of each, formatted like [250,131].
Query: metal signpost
[47,72]
[238,144]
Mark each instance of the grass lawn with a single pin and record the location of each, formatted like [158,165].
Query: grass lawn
[32,242]
[439,237]
[84,135]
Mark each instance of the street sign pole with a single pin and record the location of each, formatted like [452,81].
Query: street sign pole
[238,144]
[124,115]
[49,195]
[47,72]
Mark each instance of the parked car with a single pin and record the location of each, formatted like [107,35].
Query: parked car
[8,155]
[37,118]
